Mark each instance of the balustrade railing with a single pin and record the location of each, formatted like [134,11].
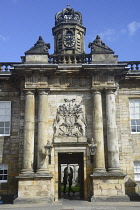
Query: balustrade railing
[5,67]
[134,65]
[70,59]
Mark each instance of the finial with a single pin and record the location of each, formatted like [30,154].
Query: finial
[98,37]
[68,5]
[40,38]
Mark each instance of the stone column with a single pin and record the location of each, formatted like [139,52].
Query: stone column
[98,131]
[112,139]
[42,131]
[28,148]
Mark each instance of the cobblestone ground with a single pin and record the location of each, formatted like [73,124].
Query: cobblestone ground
[74,205]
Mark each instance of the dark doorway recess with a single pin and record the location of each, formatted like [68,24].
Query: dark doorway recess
[71,176]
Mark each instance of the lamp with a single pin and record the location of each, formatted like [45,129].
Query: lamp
[48,149]
[92,147]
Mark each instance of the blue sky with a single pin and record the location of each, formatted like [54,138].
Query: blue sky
[116,21]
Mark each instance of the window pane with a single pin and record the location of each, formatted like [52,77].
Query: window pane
[0,177]
[132,103]
[5,177]
[1,130]
[138,122]
[8,104]
[5,171]
[1,124]
[138,128]
[6,131]
[7,118]
[7,111]
[1,111]
[2,118]
[7,124]
[133,128]
[133,122]
[137,103]
[1,171]
[2,105]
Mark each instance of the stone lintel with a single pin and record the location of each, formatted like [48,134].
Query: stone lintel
[67,139]
[70,144]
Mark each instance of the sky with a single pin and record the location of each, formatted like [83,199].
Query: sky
[23,21]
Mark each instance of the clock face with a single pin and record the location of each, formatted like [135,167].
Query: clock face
[69,41]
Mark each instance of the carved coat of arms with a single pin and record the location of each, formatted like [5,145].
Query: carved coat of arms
[69,120]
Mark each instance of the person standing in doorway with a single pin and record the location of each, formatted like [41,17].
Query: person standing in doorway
[65,182]
[70,177]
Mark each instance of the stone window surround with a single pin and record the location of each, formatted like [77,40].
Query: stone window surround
[8,116]
[3,172]
[137,170]
[130,101]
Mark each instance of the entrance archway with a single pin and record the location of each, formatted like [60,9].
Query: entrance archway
[71,165]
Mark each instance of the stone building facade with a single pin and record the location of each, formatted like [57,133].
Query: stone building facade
[70,113]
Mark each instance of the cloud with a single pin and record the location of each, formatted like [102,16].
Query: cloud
[3,38]
[133,27]
[108,34]
[112,34]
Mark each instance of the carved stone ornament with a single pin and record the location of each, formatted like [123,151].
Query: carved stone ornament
[68,15]
[69,120]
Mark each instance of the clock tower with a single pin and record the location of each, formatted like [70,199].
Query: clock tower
[68,32]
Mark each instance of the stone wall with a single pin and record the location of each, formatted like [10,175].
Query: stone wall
[129,144]
[9,145]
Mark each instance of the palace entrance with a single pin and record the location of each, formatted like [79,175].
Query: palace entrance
[71,176]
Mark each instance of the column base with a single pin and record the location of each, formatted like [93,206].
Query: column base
[42,171]
[114,170]
[99,170]
[27,171]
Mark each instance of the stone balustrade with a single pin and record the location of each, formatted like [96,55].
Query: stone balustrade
[70,59]
[5,67]
[134,65]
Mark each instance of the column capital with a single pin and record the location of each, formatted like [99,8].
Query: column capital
[43,91]
[96,90]
[29,91]
[110,90]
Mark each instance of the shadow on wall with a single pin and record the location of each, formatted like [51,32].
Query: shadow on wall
[130,189]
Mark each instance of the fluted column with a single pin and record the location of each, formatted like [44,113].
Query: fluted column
[112,138]
[98,131]
[42,131]
[28,148]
